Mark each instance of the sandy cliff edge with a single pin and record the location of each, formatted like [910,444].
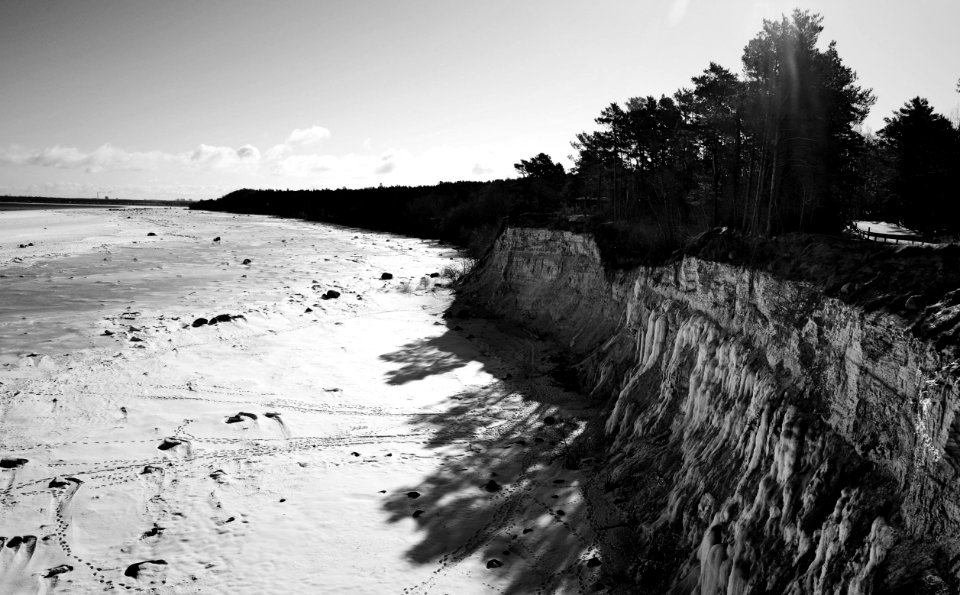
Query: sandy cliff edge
[760,436]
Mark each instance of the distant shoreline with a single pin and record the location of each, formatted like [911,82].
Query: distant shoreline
[27,202]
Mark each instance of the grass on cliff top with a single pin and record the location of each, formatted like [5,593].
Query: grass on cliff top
[921,284]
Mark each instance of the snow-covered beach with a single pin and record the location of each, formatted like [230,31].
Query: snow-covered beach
[361,443]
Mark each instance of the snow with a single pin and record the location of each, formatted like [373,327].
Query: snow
[371,396]
[883,227]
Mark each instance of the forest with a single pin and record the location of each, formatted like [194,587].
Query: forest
[773,149]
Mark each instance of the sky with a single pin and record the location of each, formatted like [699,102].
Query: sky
[193,99]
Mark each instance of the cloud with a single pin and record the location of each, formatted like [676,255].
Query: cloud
[481,171]
[105,157]
[308,136]
[248,152]
[677,11]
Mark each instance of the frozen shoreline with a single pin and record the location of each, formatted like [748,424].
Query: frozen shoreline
[105,381]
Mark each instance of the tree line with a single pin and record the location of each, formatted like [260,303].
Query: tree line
[774,149]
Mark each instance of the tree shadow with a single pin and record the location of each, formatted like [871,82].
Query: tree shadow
[425,357]
[512,500]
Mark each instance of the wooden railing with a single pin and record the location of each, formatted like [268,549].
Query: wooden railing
[887,238]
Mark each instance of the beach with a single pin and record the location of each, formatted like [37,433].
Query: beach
[194,402]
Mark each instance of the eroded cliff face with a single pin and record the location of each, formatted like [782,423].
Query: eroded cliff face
[763,438]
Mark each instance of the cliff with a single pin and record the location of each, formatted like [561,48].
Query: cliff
[761,436]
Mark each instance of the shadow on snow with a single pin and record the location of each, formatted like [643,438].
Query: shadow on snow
[515,480]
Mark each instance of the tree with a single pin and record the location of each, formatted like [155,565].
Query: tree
[924,150]
[802,107]
[541,167]
[716,99]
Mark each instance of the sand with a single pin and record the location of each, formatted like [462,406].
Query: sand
[366,443]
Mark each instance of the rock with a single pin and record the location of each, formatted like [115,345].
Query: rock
[135,339]
[418,513]
[246,261]
[593,562]
[233,419]
[413,495]
[549,420]
[386,276]
[61,569]
[151,234]
[12,463]
[434,275]
[216,239]
[107,333]
[221,318]
[200,322]
[308,310]
[169,443]
[63,482]
[494,563]
[330,295]
[492,486]
[134,570]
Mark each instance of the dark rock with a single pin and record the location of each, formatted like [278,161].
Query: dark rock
[418,513]
[61,569]
[149,469]
[62,482]
[413,495]
[216,239]
[133,571]
[494,563]
[233,419]
[308,310]
[272,415]
[525,531]
[169,443]
[492,486]
[221,318]
[549,420]
[247,261]
[200,322]
[151,234]
[593,562]
[135,339]
[434,275]
[12,463]
[330,295]
[386,276]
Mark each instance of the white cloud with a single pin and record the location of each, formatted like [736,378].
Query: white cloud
[308,136]
[677,11]
[215,166]
[481,171]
